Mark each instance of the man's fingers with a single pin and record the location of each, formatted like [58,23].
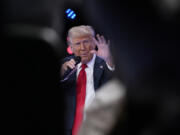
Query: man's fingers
[103,39]
[95,41]
[99,39]
[71,64]
[72,61]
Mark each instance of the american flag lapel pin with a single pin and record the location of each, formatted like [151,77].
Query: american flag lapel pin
[101,67]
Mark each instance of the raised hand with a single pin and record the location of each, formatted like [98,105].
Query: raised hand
[103,49]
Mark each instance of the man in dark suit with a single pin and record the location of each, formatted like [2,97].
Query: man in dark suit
[98,70]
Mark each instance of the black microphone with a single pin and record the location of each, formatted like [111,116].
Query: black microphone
[70,71]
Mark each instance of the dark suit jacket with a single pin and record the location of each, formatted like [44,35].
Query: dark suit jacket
[101,75]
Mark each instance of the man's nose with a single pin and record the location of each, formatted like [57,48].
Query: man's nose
[82,46]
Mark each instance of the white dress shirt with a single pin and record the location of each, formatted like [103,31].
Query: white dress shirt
[90,92]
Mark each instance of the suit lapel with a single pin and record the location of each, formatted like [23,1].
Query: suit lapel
[98,70]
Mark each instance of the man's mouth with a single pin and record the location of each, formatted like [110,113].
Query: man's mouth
[84,55]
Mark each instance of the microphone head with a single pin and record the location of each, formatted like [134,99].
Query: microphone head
[77,59]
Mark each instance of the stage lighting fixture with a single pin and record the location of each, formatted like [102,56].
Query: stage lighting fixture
[70,14]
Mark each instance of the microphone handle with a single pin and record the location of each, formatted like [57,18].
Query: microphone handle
[67,76]
[69,71]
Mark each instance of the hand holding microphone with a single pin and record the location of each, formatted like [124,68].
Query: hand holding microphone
[69,67]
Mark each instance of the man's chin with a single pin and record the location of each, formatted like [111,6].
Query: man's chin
[84,60]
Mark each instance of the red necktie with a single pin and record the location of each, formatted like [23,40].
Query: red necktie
[80,99]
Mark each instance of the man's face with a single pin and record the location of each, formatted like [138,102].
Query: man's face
[81,46]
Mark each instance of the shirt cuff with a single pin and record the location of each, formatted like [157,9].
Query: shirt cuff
[110,68]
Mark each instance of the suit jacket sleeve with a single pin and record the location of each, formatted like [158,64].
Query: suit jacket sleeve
[101,73]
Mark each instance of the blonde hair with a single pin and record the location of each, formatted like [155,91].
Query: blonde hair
[82,30]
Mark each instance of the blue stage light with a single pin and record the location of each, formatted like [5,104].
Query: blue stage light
[70,14]
[73,16]
[68,10]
